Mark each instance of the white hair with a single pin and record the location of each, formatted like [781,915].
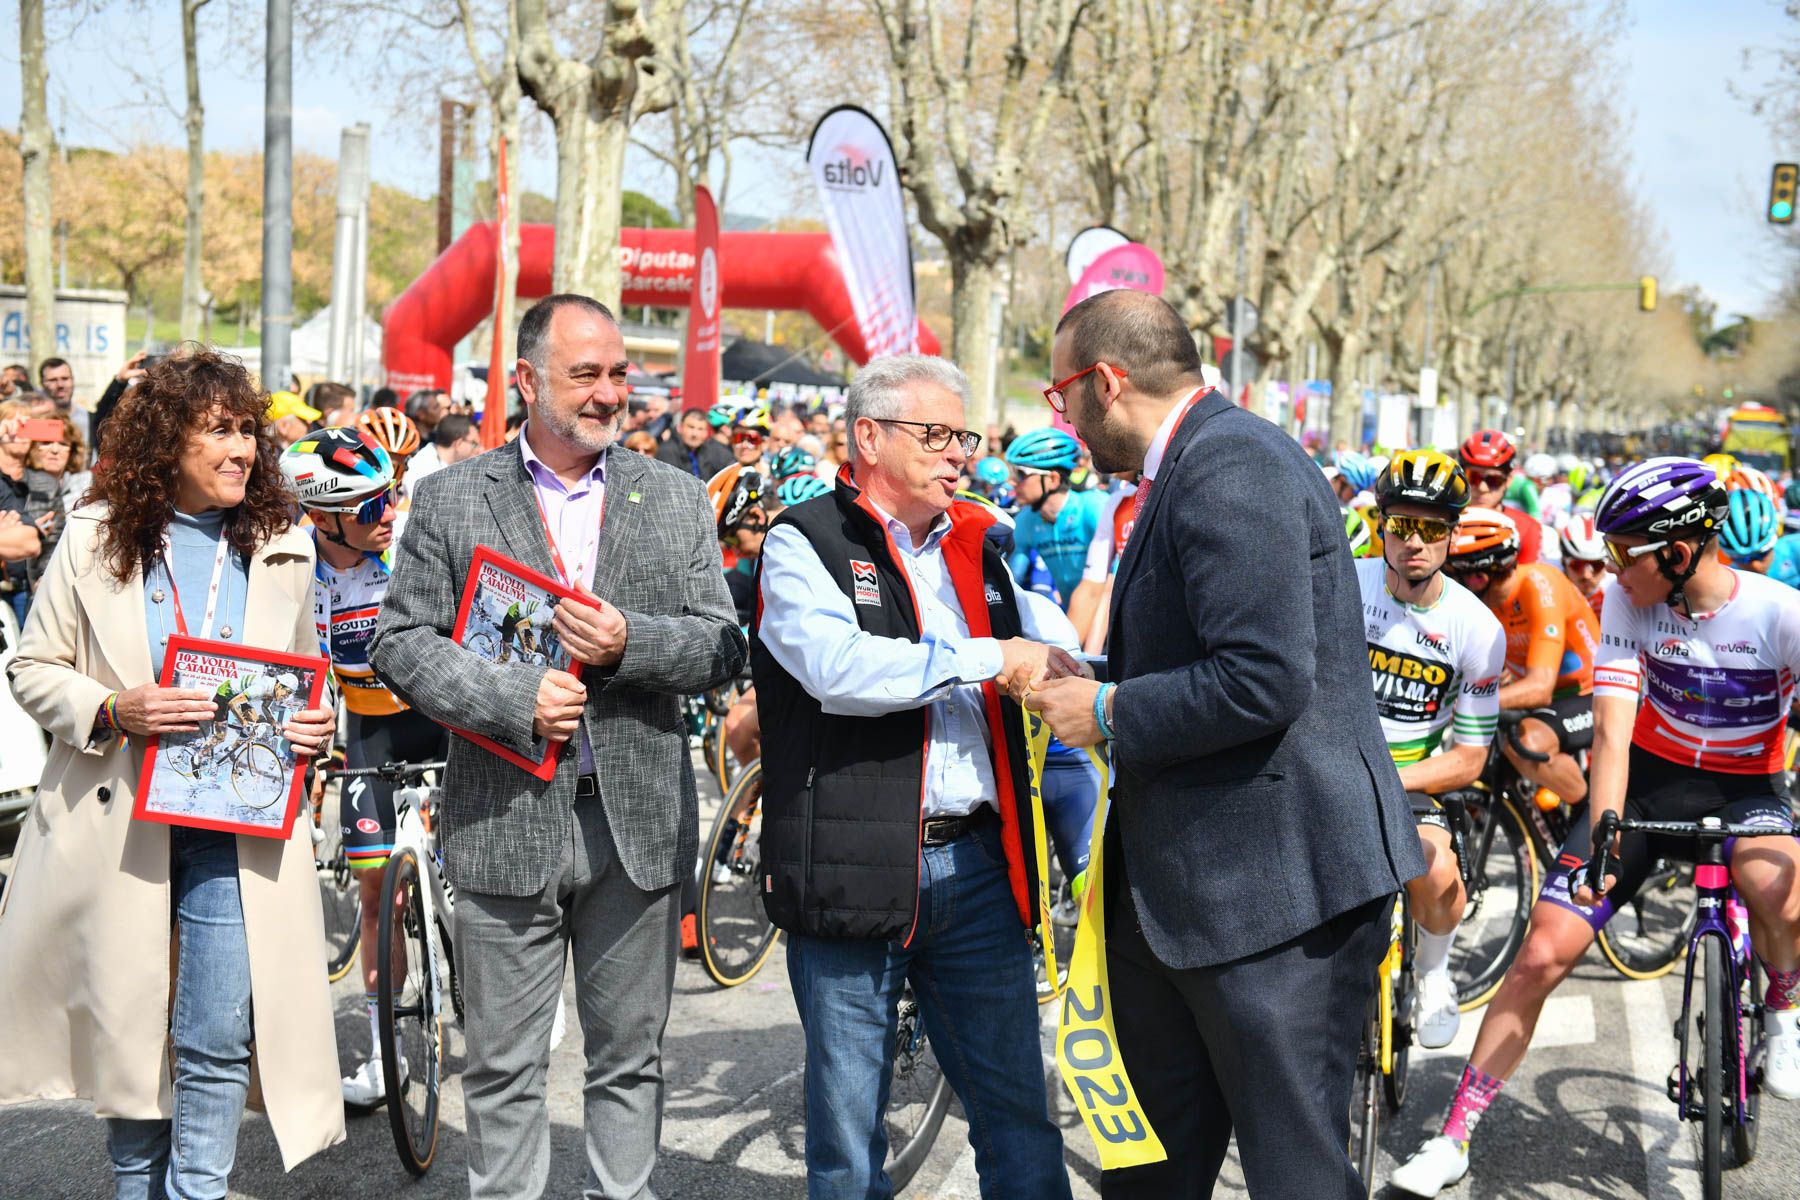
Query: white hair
[879,390]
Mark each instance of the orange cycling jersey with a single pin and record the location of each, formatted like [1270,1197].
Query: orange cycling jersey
[1549,624]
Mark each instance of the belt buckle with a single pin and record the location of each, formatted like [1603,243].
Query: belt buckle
[586,785]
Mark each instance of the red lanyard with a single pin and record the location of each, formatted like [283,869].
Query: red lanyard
[212,592]
[555,554]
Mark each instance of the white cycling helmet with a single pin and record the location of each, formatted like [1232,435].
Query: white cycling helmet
[334,467]
[1566,463]
[1581,541]
[1539,466]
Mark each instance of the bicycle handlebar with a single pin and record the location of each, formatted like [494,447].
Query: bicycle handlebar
[1510,719]
[397,772]
[1707,829]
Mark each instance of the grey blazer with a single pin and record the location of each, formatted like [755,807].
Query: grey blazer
[1255,798]
[502,829]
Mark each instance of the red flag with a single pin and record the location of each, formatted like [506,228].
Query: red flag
[700,364]
[493,412]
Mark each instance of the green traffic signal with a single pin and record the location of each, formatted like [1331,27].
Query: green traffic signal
[1784,182]
[1781,210]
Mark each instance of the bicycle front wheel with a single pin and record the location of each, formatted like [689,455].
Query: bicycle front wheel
[1714,1026]
[918,1099]
[407,1010]
[1646,938]
[256,776]
[736,935]
[1403,1002]
[1504,878]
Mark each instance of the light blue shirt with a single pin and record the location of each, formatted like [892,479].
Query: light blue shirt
[193,549]
[810,628]
[1785,566]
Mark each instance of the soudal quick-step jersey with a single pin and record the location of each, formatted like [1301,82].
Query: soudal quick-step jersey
[345,605]
[1431,666]
[1716,690]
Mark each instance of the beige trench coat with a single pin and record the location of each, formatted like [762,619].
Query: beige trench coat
[85,920]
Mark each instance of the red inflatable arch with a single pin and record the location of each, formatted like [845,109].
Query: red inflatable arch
[797,271]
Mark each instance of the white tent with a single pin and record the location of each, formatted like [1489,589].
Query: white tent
[309,351]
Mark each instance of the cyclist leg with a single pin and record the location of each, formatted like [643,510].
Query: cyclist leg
[1071,789]
[743,729]
[1559,935]
[1766,872]
[1438,899]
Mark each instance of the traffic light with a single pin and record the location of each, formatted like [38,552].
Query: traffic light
[1646,293]
[1781,193]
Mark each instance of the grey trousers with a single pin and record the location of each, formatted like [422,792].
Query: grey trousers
[509,957]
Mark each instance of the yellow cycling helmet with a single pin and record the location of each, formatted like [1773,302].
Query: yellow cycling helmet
[1426,477]
[1722,464]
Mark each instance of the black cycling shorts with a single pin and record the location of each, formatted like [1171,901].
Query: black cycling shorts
[1428,810]
[366,804]
[1571,719]
[1661,790]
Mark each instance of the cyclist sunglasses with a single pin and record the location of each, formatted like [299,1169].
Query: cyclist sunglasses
[746,435]
[365,512]
[1623,556]
[1489,479]
[1427,529]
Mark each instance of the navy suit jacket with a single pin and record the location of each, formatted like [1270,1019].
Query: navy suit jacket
[1255,798]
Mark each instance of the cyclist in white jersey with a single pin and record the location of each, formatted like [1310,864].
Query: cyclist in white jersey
[1712,652]
[1435,657]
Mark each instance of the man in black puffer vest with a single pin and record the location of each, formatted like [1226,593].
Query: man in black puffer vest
[896,839]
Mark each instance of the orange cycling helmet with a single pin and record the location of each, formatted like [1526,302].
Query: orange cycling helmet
[1485,540]
[1757,481]
[392,430]
[1488,448]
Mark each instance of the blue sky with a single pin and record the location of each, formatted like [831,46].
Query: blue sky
[1700,158]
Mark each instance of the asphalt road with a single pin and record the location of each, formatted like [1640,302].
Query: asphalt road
[1585,1118]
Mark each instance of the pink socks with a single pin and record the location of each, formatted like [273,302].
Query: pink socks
[1473,1095]
[1784,989]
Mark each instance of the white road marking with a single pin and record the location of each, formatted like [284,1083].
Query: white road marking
[1670,1169]
[1566,1021]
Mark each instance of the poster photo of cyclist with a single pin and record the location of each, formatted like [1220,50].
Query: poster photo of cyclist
[505,616]
[235,773]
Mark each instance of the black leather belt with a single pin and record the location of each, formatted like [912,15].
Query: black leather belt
[587,785]
[941,831]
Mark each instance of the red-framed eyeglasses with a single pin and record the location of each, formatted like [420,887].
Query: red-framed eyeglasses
[1053,395]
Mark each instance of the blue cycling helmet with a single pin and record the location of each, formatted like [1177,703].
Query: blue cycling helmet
[791,462]
[798,489]
[1357,470]
[1045,450]
[1000,533]
[992,472]
[1750,527]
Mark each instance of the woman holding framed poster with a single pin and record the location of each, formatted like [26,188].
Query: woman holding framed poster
[189,553]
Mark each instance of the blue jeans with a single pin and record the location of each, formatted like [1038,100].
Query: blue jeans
[190,1156]
[971,968]
[21,604]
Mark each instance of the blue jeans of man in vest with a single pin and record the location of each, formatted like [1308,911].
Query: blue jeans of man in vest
[972,972]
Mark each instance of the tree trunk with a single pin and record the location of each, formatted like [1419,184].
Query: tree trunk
[1345,353]
[34,151]
[506,124]
[973,281]
[191,283]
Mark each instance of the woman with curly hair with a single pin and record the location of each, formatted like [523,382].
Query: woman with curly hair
[190,528]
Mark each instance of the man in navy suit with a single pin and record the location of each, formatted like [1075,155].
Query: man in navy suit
[1257,828]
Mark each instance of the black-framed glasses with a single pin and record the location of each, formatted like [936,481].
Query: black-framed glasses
[937,435]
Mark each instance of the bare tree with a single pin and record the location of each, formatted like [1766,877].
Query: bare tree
[194,120]
[972,107]
[34,153]
[592,102]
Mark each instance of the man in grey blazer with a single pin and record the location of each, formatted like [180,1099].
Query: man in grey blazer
[1258,830]
[593,858]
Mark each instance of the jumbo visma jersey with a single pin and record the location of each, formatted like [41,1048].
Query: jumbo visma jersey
[1433,668]
[345,605]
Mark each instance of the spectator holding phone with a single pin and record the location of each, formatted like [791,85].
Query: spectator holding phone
[23,495]
[65,461]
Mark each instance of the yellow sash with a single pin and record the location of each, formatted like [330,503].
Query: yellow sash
[1087,1050]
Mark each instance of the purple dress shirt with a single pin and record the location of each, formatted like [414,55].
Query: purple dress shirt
[573,516]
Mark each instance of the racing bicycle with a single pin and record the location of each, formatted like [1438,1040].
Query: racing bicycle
[249,756]
[1719,1035]
[416,966]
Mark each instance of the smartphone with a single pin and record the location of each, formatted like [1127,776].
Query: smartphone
[41,430]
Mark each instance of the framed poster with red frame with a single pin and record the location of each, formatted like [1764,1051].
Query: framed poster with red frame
[236,773]
[505,617]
